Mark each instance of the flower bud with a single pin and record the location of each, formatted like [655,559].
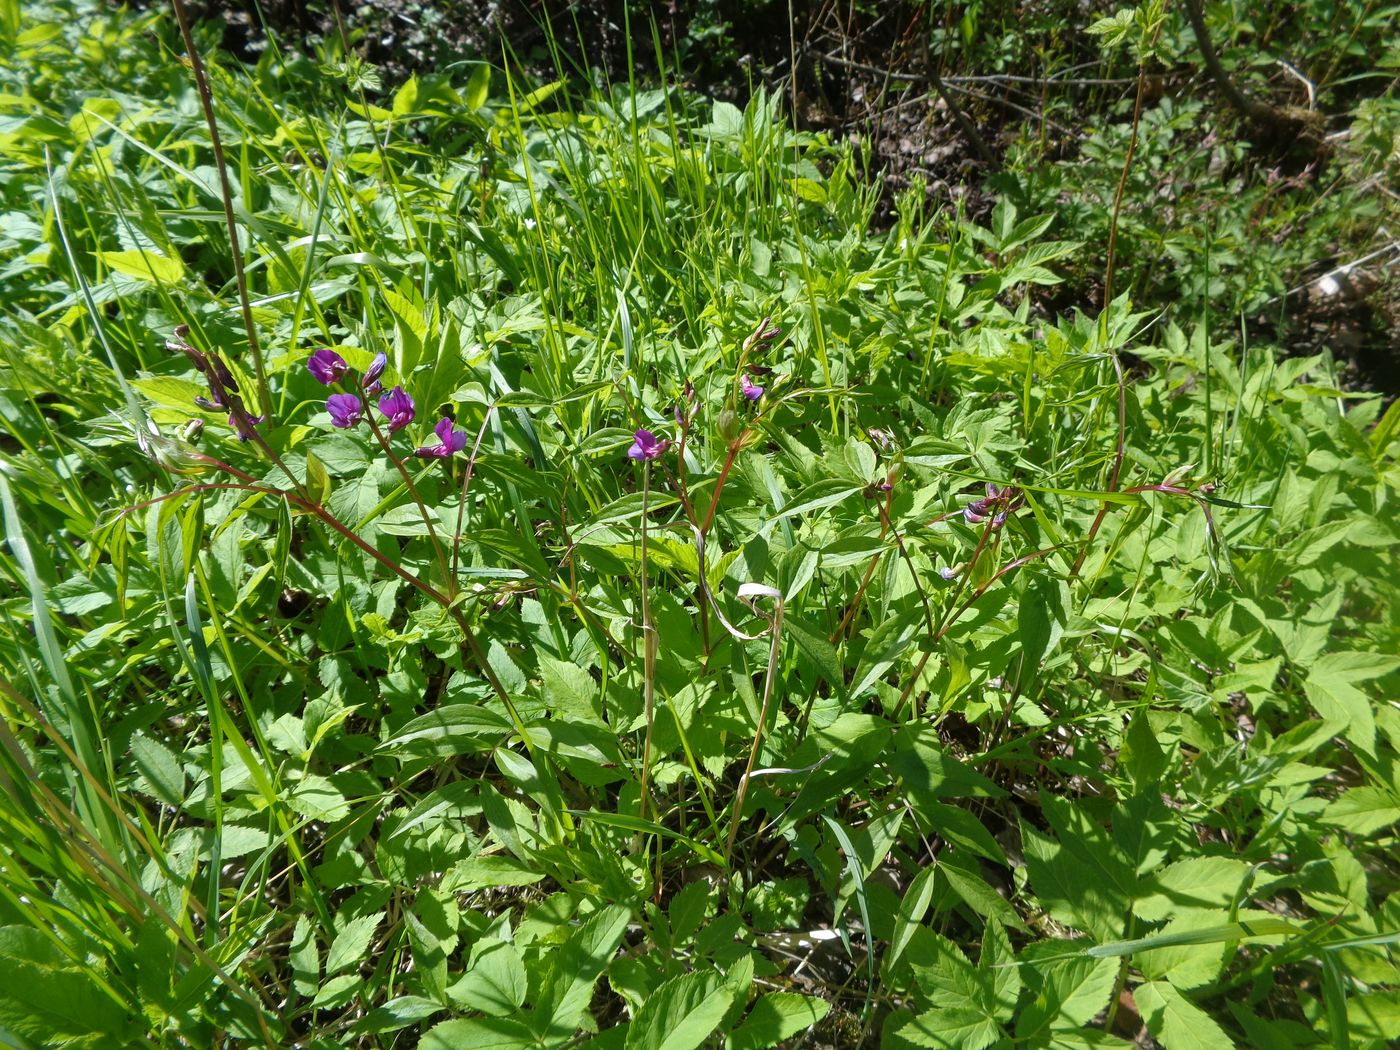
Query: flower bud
[370,383]
[728,424]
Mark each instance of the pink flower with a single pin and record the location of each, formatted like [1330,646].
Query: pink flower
[647,446]
[449,441]
[397,408]
[345,410]
[327,367]
[752,392]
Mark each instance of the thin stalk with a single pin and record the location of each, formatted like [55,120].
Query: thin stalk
[775,630]
[719,482]
[449,579]
[466,484]
[648,648]
[1119,452]
[1123,177]
[206,101]
[869,572]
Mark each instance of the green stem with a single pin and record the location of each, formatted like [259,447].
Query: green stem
[206,101]
[648,649]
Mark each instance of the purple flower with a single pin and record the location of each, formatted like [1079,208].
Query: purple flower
[998,503]
[370,383]
[243,424]
[327,367]
[647,446]
[752,392]
[449,441]
[346,410]
[397,407]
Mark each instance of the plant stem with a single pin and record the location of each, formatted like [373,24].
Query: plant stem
[206,101]
[449,579]
[775,630]
[719,482]
[648,649]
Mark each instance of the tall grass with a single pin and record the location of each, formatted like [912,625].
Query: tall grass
[258,789]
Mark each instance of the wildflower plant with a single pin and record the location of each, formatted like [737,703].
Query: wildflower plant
[821,630]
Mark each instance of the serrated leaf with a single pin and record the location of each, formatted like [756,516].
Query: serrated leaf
[160,769]
[317,798]
[681,1013]
[495,984]
[1197,882]
[775,1017]
[479,1033]
[1176,1022]
[351,943]
[951,1029]
[1071,990]
[1363,811]
[575,966]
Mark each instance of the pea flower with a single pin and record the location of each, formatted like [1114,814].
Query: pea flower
[327,367]
[243,423]
[370,383]
[345,410]
[751,391]
[449,441]
[998,502]
[397,407]
[647,446]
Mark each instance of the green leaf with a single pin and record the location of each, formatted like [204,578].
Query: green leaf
[457,729]
[406,97]
[150,266]
[888,643]
[1198,882]
[478,87]
[1176,1022]
[951,1029]
[775,1017]
[911,912]
[495,984]
[1264,928]
[997,967]
[317,798]
[575,966]
[1185,966]
[1072,990]
[160,769]
[1363,811]
[1040,624]
[45,998]
[489,872]
[351,943]
[483,1033]
[681,1013]
[1346,708]
[825,493]
[337,991]
[398,1013]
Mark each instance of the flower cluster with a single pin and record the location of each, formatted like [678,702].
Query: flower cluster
[224,394]
[999,502]
[347,410]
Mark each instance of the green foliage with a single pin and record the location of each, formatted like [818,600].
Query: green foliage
[995,678]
